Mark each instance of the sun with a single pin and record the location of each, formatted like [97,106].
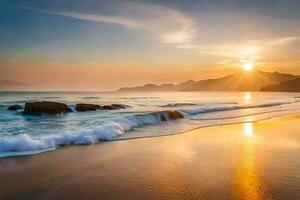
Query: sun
[248,67]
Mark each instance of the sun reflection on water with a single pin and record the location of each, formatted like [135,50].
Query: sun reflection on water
[248,130]
[248,185]
[247,97]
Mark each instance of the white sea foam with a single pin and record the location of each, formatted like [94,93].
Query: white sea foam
[106,131]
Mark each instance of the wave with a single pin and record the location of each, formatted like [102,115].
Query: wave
[219,108]
[174,105]
[107,131]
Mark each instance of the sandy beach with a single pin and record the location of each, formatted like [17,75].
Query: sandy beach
[242,161]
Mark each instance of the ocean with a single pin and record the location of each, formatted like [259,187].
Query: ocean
[25,135]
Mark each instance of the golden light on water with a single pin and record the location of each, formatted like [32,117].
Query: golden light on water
[247,97]
[248,130]
[248,185]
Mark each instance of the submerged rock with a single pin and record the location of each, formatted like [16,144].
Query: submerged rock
[173,115]
[45,107]
[82,107]
[14,107]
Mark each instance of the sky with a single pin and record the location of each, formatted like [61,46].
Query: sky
[101,45]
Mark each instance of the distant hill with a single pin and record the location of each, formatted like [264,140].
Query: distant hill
[7,85]
[286,86]
[253,81]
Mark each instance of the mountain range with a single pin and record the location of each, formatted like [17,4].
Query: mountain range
[286,86]
[243,81]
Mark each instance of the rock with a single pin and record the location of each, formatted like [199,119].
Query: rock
[119,106]
[47,107]
[163,118]
[173,115]
[113,107]
[82,107]
[93,107]
[107,107]
[14,107]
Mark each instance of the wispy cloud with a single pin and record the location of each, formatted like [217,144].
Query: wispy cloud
[282,41]
[167,24]
[228,49]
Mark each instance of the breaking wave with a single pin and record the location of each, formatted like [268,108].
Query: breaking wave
[106,131]
[219,108]
[174,105]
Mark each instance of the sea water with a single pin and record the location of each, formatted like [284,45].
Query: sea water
[25,135]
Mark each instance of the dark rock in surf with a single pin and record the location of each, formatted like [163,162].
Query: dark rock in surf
[113,107]
[14,107]
[82,107]
[45,107]
[93,107]
[173,115]
[107,107]
[170,115]
[163,118]
[119,106]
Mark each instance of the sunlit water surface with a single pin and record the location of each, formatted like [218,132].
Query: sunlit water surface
[20,134]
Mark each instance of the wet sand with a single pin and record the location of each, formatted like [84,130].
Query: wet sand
[250,161]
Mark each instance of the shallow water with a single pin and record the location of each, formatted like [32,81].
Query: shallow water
[250,161]
[33,134]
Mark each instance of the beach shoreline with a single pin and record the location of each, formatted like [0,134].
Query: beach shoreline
[219,162]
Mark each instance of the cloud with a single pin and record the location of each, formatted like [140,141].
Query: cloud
[167,24]
[283,41]
[248,47]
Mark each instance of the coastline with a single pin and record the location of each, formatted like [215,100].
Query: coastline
[205,163]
